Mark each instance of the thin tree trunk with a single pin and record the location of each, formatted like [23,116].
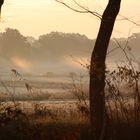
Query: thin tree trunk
[1,3]
[97,68]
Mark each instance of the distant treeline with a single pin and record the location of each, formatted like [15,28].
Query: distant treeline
[55,47]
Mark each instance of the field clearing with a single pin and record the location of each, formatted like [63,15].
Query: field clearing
[27,106]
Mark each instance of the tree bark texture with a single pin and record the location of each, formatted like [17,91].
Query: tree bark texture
[97,68]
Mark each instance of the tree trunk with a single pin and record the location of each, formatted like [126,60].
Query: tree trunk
[1,3]
[97,69]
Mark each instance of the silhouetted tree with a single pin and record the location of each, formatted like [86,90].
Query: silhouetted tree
[97,69]
[97,65]
[1,3]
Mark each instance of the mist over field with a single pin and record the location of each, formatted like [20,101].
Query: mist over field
[54,52]
[50,86]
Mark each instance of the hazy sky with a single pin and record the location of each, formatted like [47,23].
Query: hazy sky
[36,17]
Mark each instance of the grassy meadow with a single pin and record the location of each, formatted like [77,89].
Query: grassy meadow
[54,110]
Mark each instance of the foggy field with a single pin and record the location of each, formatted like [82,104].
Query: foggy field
[39,88]
[45,84]
[69,70]
[47,88]
[56,108]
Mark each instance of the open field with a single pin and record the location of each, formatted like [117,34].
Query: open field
[57,109]
[61,120]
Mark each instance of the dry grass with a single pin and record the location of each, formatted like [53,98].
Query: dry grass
[62,122]
[70,120]
[48,122]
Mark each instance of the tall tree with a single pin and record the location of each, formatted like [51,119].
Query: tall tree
[97,64]
[97,69]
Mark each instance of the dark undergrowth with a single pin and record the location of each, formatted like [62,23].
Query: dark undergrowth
[15,124]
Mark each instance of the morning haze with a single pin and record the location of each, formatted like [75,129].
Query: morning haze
[62,80]
[54,52]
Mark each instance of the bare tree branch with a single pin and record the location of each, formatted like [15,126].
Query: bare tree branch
[126,18]
[88,11]
[112,50]
[84,9]
[94,13]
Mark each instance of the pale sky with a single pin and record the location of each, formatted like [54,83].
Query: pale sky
[37,17]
